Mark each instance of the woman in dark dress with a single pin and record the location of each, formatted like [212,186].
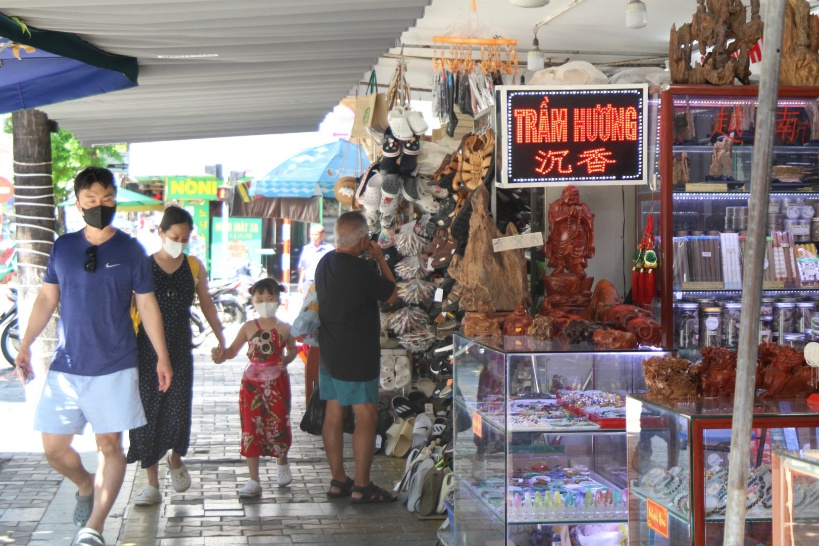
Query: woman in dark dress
[178,278]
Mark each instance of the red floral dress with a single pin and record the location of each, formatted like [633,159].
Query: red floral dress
[264,398]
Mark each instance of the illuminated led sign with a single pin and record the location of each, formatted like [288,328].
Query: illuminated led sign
[583,135]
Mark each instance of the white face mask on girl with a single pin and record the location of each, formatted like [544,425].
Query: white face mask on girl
[174,248]
[267,309]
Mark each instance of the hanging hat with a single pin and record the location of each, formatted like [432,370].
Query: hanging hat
[344,190]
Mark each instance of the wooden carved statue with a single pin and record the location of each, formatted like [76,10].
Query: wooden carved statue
[669,377]
[647,331]
[800,46]
[782,371]
[619,316]
[718,372]
[614,339]
[569,246]
[541,328]
[722,160]
[571,234]
[605,297]
[723,27]
[517,323]
[480,324]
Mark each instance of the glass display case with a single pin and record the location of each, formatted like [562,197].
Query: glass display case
[678,464]
[540,442]
[795,497]
[706,150]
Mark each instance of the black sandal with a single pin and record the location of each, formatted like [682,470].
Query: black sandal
[372,494]
[345,489]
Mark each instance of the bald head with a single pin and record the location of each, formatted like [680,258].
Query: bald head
[351,227]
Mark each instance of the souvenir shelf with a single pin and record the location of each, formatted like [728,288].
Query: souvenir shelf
[678,455]
[540,437]
[706,140]
[795,496]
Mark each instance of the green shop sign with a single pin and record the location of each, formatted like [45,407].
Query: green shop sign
[243,246]
[191,187]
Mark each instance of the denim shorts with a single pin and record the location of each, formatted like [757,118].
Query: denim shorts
[111,403]
[348,393]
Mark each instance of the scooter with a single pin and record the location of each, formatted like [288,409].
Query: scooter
[10,337]
[225,296]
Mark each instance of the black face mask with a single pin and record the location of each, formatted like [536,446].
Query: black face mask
[100,217]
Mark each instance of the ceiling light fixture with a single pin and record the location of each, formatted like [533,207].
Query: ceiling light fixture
[636,16]
[529,3]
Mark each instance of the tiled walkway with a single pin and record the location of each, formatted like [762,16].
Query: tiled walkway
[36,504]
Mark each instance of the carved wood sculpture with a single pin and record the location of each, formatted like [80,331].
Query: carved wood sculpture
[722,159]
[669,377]
[489,281]
[723,25]
[800,46]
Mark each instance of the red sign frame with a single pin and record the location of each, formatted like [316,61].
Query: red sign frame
[581,135]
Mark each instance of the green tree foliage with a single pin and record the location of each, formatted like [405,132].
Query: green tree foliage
[69,156]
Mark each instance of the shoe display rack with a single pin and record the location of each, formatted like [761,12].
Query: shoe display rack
[540,440]
[678,464]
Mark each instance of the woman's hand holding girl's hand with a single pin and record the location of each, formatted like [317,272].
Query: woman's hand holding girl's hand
[218,355]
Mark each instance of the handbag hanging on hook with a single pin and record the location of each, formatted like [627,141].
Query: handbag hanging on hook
[643,276]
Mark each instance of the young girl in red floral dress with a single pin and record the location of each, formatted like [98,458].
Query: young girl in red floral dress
[264,397]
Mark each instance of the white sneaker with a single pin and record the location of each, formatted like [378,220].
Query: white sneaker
[250,489]
[150,495]
[283,475]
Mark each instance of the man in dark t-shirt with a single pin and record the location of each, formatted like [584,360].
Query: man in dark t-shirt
[348,292]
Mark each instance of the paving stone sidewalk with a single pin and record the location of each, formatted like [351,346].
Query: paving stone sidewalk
[36,503]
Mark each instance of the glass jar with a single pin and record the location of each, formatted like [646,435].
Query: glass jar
[802,316]
[710,327]
[795,340]
[686,326]
[814,229]
[730,324]
[782,319]
[765,328]
[766,307]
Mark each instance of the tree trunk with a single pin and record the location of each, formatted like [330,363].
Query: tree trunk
[34,217]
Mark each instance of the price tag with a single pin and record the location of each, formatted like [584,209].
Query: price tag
[706,254]
[439,295]
[477,424]
[429,410]
[517,241]
[657,517]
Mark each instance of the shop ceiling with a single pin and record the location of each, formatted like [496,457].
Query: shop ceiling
[212,68]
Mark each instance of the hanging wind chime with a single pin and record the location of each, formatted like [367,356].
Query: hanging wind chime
[643,278]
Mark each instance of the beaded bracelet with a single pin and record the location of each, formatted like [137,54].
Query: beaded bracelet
[672,487]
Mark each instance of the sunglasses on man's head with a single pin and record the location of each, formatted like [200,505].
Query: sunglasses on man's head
[91,262]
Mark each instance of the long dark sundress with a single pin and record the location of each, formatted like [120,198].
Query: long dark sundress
[169,413]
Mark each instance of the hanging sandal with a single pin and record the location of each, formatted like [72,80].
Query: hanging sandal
[344,489]
[371,494]
[477,160]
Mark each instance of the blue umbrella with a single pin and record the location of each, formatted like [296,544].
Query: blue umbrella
[312,172]
[55,67]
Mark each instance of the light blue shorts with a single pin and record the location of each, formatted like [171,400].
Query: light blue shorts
[348,393]
[111,403]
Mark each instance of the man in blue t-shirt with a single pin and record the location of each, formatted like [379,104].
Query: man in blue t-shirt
[92,378]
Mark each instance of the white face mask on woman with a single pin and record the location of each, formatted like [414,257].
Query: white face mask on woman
[266,309]
[174,248]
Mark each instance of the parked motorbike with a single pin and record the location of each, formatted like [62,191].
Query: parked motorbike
[10,336]
[230,306]
[226,298]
